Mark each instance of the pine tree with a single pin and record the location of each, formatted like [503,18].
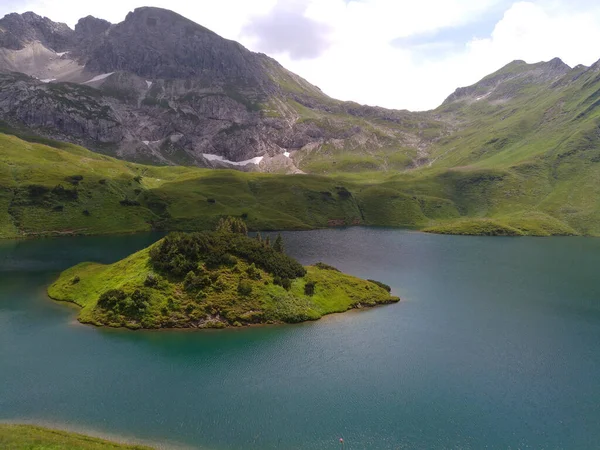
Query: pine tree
[232,225]
[278,245]
[259,237]
[267,241]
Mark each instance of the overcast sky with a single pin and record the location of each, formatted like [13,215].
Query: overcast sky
[393,53]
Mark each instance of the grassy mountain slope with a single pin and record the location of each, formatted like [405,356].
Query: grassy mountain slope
[527,149]
[522,158]
[65,189]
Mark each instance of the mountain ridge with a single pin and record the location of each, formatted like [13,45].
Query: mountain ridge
[194,94]
[515,153]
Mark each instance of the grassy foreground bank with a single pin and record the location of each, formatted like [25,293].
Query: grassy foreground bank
[30,437]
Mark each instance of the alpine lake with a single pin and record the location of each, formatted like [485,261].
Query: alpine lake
[495,344]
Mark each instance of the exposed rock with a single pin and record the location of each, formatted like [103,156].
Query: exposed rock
[160,88]
[20,29]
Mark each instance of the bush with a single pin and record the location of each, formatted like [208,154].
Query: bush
[118,302]
[74,179]
[151,280]
[283,282]
[86,212]
[66,194]
[36,190]
[179,253]
[128,202]
[193,282]
[244,288]
[75,280]
[253,272]
[343,192]
[321,265]
[137,179]
[309,288]
[102,181]
[111,298]
[216,260]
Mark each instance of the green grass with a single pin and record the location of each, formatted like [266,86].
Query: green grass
[29,437]
[214,300]
[476,227]
[526,157]
[39,196]
[530,164]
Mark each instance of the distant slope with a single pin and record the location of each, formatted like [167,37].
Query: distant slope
[527,142]
[65,189]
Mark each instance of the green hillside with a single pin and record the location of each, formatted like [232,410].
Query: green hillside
[65,189]
[518,155]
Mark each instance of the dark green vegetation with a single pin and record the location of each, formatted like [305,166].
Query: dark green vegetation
[211,280]
[28,437]
[65,189]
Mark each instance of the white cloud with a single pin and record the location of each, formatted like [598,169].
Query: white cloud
[360,63]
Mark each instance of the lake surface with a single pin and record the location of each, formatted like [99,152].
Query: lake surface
[496,344]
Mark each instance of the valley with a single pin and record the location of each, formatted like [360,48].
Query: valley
[515,154]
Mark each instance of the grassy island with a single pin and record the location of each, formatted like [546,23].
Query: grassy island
[29,437]
[212,280]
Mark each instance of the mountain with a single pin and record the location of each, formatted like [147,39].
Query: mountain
[516,153]
[160,88]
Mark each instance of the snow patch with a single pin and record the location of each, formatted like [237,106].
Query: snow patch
[256,160]
[286,154]
[48,80]
[61,54]
[99,77]
[146,142]
[149,83]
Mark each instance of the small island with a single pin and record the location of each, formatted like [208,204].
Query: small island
[212,279]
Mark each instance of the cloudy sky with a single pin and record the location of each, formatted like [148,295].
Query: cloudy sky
[392,53]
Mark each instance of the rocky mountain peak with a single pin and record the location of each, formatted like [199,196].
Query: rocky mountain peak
[18,30]
[157,43]
[556,66]
[508,82]
[91,26]
[152,19]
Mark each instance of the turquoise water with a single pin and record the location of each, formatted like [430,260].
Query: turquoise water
[495,345]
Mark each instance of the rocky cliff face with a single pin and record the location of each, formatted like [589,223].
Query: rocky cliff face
[160,88]
[19,30]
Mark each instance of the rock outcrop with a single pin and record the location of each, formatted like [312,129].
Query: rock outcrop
[160,88]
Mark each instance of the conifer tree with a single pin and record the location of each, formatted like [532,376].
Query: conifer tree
[278,245]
